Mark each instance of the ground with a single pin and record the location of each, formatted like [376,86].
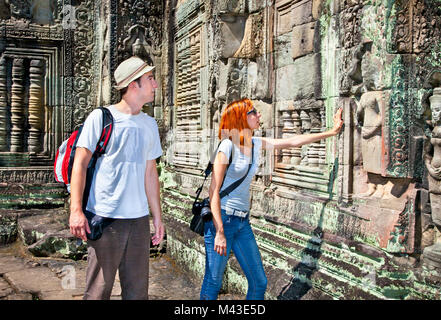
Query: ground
[25,277]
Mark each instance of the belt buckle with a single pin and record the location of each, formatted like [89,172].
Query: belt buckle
[241,214]
[236,213]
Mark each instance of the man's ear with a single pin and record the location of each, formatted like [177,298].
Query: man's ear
[132,85]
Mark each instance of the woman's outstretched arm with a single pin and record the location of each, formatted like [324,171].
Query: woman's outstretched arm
[301,139]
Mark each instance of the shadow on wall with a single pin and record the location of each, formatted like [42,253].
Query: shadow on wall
[301,282]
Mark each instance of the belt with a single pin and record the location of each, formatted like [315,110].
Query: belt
[236,213]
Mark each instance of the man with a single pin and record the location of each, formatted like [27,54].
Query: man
[125,187]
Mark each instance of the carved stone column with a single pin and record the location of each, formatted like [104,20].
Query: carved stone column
[3,107]
[296,152]
[36,108]
[287,131]
[17,106]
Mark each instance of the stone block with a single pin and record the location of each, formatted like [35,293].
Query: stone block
[302,12]
[282,53]
[302,40]
[61,244]
[283,17]
[432,256]
[232,31]
[252,44]
[317,6]
[262,89]
[33,228]
[297,81]
[37,279]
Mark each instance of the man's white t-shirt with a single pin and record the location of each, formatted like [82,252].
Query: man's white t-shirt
[118,189]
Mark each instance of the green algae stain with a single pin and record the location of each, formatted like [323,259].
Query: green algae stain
[166,177]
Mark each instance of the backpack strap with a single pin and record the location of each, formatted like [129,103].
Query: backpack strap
[100,149]
[70,159]
[105,133]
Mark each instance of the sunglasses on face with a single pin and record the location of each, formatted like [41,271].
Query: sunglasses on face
[252,111]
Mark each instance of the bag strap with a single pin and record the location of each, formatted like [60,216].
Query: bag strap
[100,149]
[235,184]
[209,168]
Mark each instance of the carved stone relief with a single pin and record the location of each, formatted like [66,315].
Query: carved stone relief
[432,160]
[137,30]
[370,116]
[252,42]
[84,89]
[188,77]
[305,166]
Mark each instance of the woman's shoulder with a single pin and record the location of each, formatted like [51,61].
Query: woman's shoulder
[225,146]
[257,141]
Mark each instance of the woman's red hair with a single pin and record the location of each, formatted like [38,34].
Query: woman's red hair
[234,120]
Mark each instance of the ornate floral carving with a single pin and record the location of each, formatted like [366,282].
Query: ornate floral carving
[398,122]
[350,26]
[83,57]
[402,31]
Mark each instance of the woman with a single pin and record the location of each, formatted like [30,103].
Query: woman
[229,228]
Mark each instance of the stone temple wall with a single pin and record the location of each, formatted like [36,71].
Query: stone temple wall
[348,217]
[355,216]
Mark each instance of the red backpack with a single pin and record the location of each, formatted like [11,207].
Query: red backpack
[65,156]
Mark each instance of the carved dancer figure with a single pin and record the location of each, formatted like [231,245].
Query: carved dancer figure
[432,160]
[370,117]
[125,187]
[229,229]
[432,157]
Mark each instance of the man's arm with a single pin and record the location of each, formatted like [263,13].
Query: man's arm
[151,183]
[77,220]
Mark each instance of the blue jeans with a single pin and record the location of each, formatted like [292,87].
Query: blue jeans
[241,239]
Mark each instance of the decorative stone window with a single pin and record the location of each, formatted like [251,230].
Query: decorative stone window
[28,93]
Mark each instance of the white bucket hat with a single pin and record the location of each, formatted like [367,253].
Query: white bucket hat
[130,70]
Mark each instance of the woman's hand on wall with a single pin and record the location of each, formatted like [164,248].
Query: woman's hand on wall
[338,122]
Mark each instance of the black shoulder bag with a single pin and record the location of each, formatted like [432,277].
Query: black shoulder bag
[201,209]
